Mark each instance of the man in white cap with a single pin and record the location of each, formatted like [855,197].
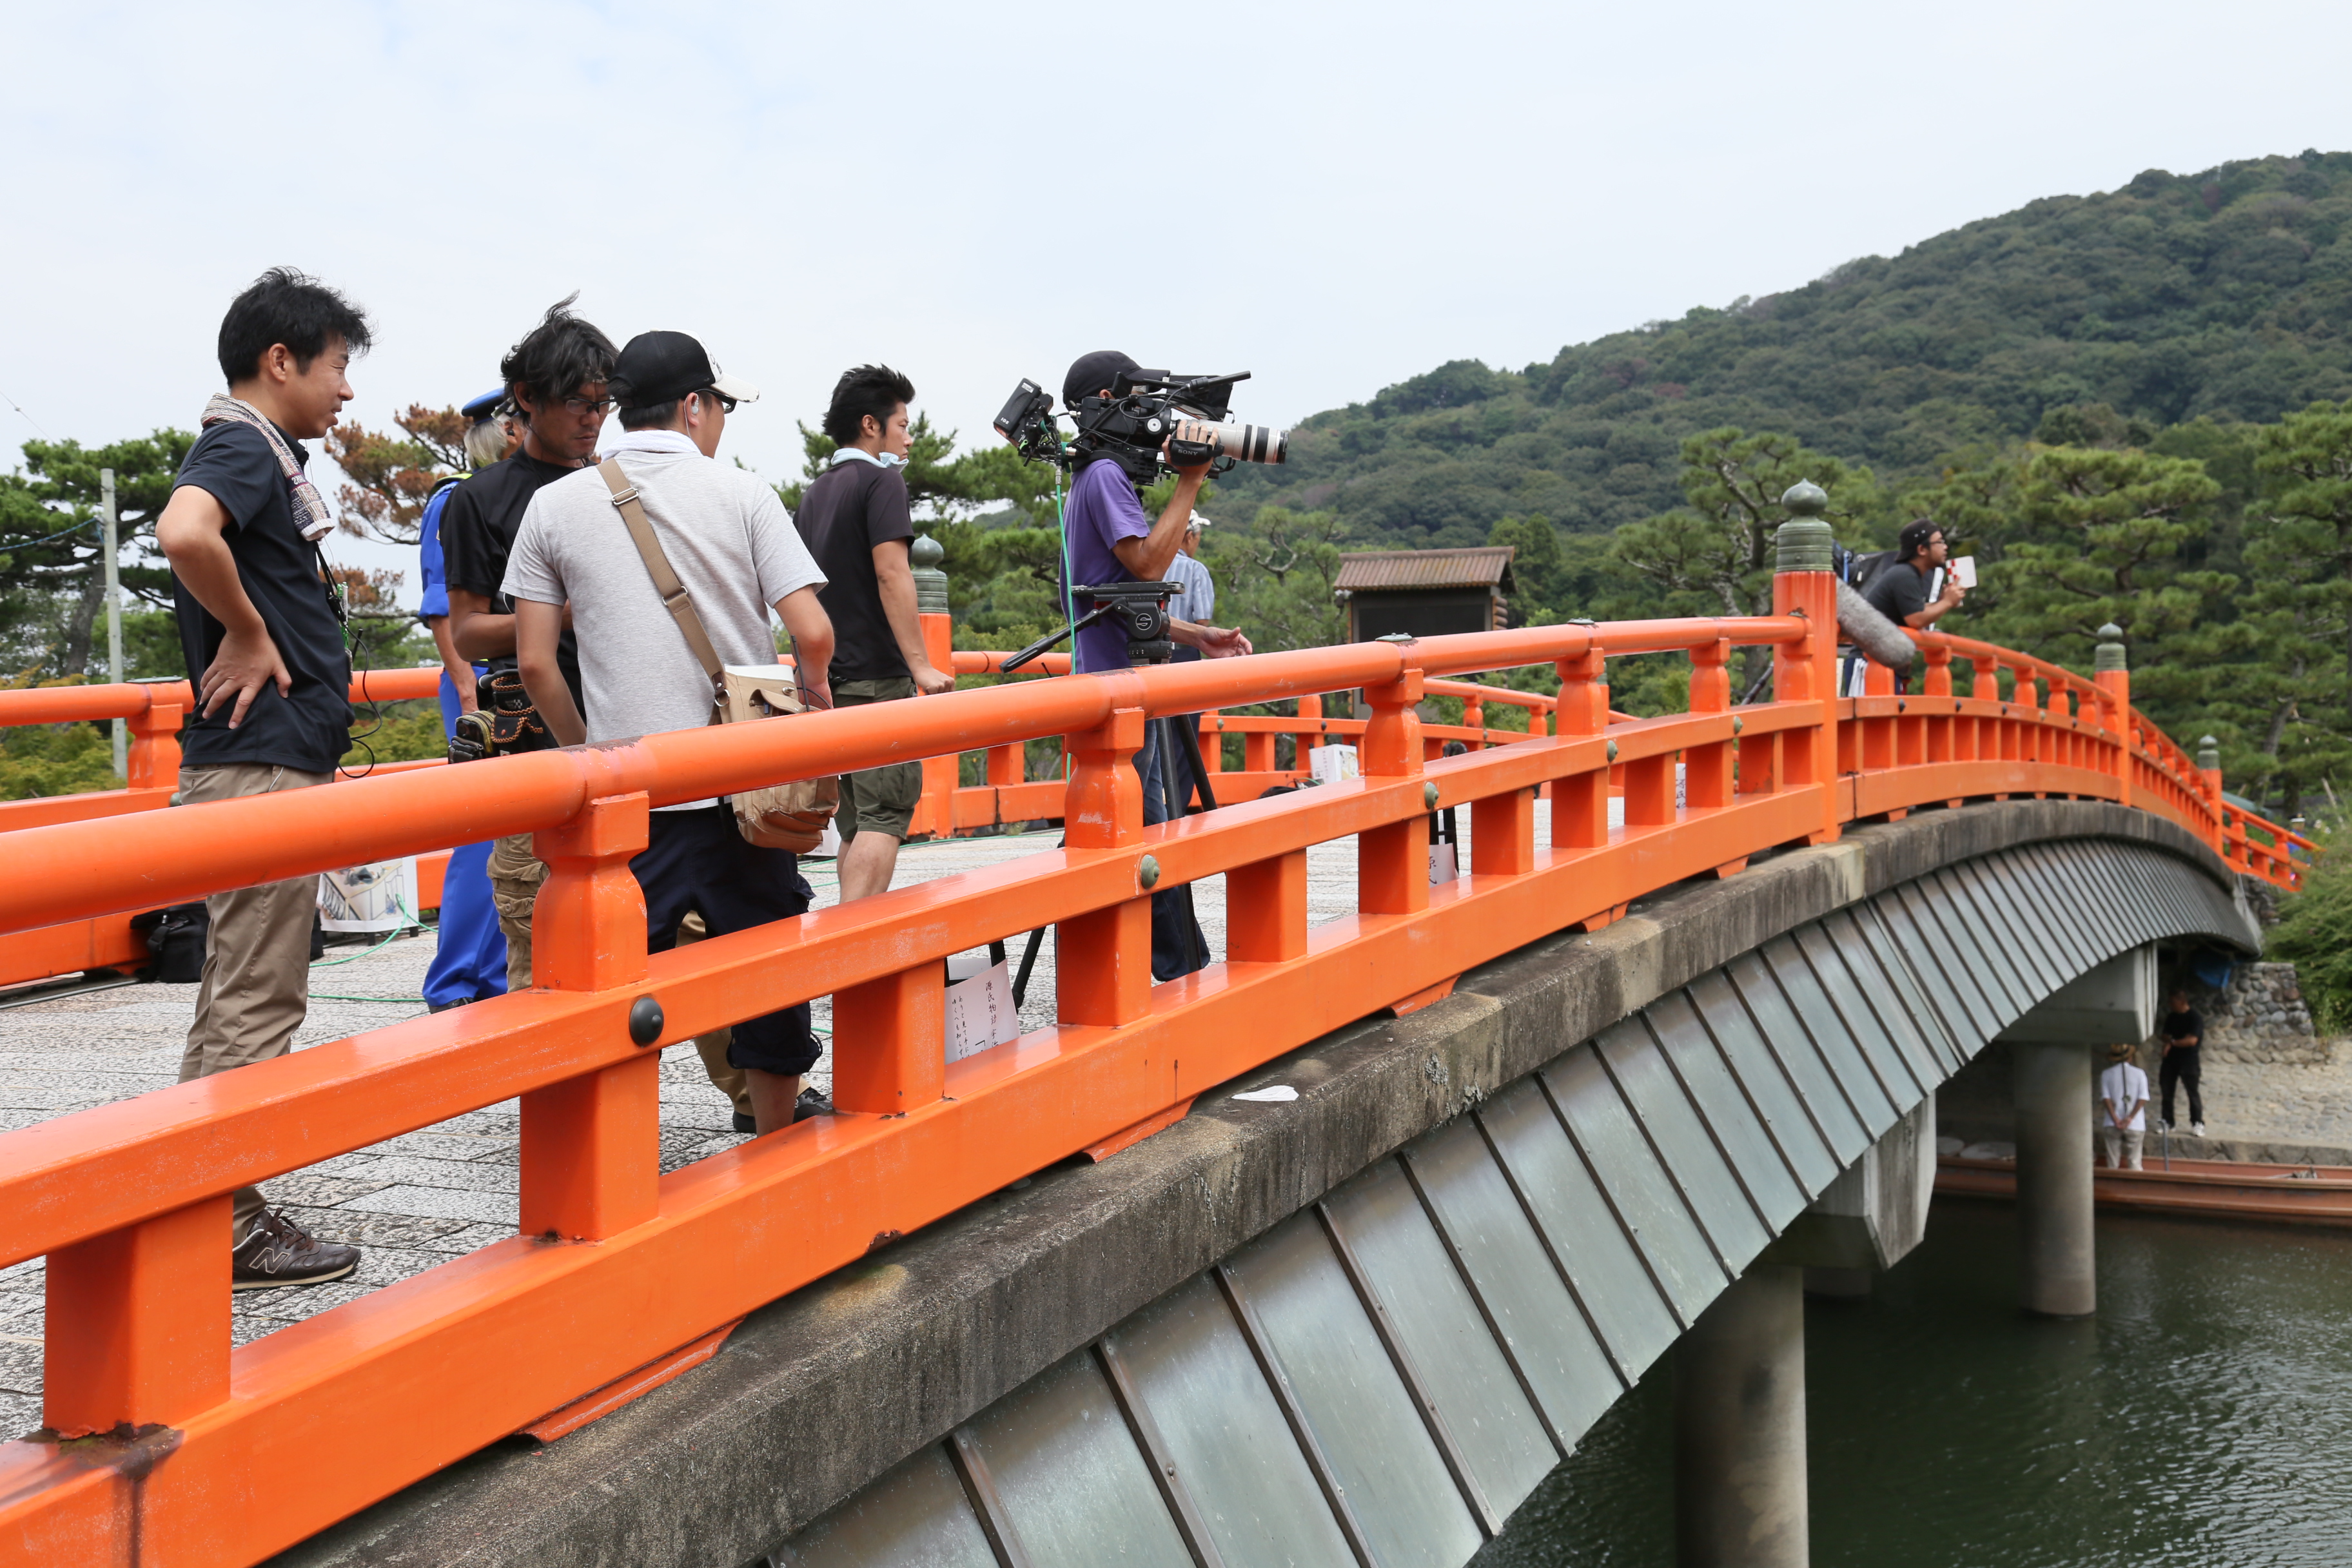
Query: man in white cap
[737,554]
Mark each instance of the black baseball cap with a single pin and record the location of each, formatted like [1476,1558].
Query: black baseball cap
[661,367]
[1092,372]
[1913,541]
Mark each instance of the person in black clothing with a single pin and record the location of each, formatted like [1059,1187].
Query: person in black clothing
[1899,590]
[2184,1033]
[556,378]
[855,520]
[261,626]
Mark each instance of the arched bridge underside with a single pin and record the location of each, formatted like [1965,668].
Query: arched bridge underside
[1359,1326]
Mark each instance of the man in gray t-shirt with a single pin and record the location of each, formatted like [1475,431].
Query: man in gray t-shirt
[736,552]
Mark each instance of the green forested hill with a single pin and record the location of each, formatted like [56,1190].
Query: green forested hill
[2226,293]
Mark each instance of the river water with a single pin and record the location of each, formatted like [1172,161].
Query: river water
[2204,1416]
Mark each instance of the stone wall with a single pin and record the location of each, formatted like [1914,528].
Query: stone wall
[2259,1017]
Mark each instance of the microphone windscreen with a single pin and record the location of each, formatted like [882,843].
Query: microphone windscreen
[1878,638]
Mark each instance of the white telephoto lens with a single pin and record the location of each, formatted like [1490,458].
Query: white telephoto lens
[1249,442]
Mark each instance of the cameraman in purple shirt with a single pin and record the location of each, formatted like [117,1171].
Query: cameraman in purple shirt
[1111,541]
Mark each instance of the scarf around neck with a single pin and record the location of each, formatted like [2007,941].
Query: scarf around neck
[311,514]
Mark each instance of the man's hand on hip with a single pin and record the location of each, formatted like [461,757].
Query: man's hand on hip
[246,663]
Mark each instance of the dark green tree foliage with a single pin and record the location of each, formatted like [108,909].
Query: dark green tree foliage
[52,577]
[2279,675]
[2220,294]
[2315,934]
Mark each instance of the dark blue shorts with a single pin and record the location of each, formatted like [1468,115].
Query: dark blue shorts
[697,860]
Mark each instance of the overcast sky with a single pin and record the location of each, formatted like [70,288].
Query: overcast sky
[1333,196]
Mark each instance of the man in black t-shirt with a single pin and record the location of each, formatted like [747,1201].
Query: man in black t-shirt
[556,377]
[855,520]
[262,631]
[2184,1034]
[1899,590]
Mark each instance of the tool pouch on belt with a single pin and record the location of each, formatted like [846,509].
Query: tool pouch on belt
[781,817]
[507,722]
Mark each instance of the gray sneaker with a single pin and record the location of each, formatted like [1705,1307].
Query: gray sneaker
[277,1251]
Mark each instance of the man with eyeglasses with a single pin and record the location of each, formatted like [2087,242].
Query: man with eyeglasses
[556,378]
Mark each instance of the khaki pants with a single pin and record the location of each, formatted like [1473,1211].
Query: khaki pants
[516,875]
[2123,1146]
[257,980]
[515,878]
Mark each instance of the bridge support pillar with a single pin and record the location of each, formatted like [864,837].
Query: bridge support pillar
[1739,1427]
[2053,1086]
[2052,1049]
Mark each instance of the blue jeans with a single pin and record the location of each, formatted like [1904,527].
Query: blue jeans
[470,956]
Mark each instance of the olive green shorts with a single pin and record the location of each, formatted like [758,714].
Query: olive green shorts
[879,800]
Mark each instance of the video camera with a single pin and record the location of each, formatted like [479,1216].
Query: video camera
[1145,409]
[1140,608]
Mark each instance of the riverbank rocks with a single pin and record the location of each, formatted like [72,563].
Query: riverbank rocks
[2259,1017]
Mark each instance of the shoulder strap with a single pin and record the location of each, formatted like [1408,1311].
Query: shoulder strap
[672,592]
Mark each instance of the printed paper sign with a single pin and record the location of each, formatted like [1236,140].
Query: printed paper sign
[1331,765]
[981,1012]
[1441,864]
[1964,567]
[369,897]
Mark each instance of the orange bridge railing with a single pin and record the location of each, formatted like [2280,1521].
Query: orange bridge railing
[165,1440]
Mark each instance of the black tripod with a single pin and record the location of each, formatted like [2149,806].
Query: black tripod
[1178,738]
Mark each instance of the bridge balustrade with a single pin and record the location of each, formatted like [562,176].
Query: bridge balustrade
[160,1432]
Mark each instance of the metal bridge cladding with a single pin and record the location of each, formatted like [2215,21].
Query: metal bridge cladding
[1382,1377]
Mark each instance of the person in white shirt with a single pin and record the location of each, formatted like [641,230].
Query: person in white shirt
[2122,1106]
[738,555]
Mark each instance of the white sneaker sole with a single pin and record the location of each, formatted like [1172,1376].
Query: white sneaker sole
[306,1279]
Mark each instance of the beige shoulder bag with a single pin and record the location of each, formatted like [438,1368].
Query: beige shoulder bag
[782,816]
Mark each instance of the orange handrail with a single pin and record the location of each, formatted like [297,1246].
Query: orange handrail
[248,1450]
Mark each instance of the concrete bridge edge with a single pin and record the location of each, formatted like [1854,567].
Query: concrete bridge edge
[819,1393]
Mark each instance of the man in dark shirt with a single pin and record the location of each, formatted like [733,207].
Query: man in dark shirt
[1899,590]
[854,519]
[2184,1034]
[556,378]
[262,631]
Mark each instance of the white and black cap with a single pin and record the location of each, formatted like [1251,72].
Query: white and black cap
[661,367]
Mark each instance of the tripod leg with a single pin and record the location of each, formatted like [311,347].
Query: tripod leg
[1028,962]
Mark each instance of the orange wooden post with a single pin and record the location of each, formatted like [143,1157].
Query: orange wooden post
[2113,677]
[2209,774]
[1392,862]
[1266,910]
[1980,736]
[1803,585]
[936,811]
[1257,753]
[1503,833]
[1311,731]
[890,1042]
[1102,963]
[138,1330]
[1707,769]
[1942,727]
[1213,744]
[592,1144]
[1579,804]
[152,761]
[1474,717]
[1878,734]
